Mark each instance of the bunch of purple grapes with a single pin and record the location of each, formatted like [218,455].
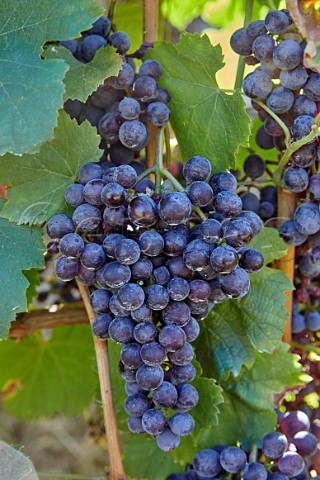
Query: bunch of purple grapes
[156,265]
[122,105]
[283,455]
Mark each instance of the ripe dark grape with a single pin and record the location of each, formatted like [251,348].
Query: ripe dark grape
[307,218]
[59,225]
[145,88]
[197,169]
[133,134]
[200,193]
[312,87]
[93,256]
[86,218]
[233,459]
[165,396]
[158,113]
[136,405]
[277,22]
[181,424]
[287,54]
[142,211]
[130,355]
[241,42]
[206,463]
[294,79]
[274,444]
[113,195]
[280,100]
[66,268]
[167,440]
[151,68]
[120,41]
[71,245]
[149,377]
[90,45]
[121,330]
[74,195]
[257,85]
[153,421]
[263,46]
[296,179]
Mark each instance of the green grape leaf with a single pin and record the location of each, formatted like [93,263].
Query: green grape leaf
[31,90]
[28,117]
[234,329]
[21,249]
[144,460]
[128,17]
[247,413]
[180,14]
[270,244]
[48,375]
[84,78]
[33,22]
[33,278]
[206,120]
[37,181]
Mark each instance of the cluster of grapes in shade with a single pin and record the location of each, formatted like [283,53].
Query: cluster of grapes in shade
[156,265]
[123,104]
[291,92]
[285,454]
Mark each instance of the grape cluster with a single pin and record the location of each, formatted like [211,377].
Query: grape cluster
[156,265]
[291,91]
[122,105]
[285,454]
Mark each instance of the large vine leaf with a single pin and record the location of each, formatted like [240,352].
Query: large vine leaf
[247,413]
[37,181]
[44,376]
[270,244]
[21,249]
[84,78]
[206,120]
[235,329]
[31,90]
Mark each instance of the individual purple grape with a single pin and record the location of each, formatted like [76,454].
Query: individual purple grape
[161,275]
[305,156]
[313,323]
[116,309]
[303,105]
[144,332]
[113,195]
[110,242]
[174,208]
[130,355]
[133,134]
[158,113]
[115,217]
[183,374]
[74,195]
[200,193]
[250,201]
[120,41]
[197,255]
[277,22]
[217,295]
[151,243]
[172,337]
[177,313]
[241,42]
[153,353]
[153,421]
[165,396]
[236,284]
[86,218]
[71,245]
[280,100]
[151,68]
[256,28]
[120,155]
[149,377]
[291,464]
[305,443]
[157,297]
[314,186]
[124,79]
[86,276]
[121,330]
[233,459]
[144,186]
[178,268]
[274,444]
[287,54]
[145,88]
[89,171]
[135,425]
[294,422]
[307,218]
[129,108]
[128,374]
[254,166]
[142,211]
[163,96]
[237,232]
[199,310]
[210,230]
[127,251]
[188,397]
[178,289]
[206,463]
[142,269]
[133,387]
[228,203]
[93,256]
[298,323]
[257,85]
[183,356]
[90,45]
[136,405]
[100,325]
[223,181]
[301,126]
[312,87]
[294,79]
[167,440]
[255,471]
[100,27]
[266,209]
[99,300]
[174,243]
[290,234]
[66,268]
[263,139]
[130,296]
[224,259]
[263,46]
[59,225]
[72,45]
[199,291]
[182,424]
[192,330]
[197,169]
[251,260]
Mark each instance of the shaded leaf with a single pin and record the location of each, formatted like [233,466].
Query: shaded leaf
[33,278]
[202,116]
[84,78]
[37,181]
[48,375]
[21,249]
[234,329]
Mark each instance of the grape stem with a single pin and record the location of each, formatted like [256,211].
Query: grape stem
[253,454]
[146,173]
[112,437]
[278,120]
[241,62]
[306,347]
